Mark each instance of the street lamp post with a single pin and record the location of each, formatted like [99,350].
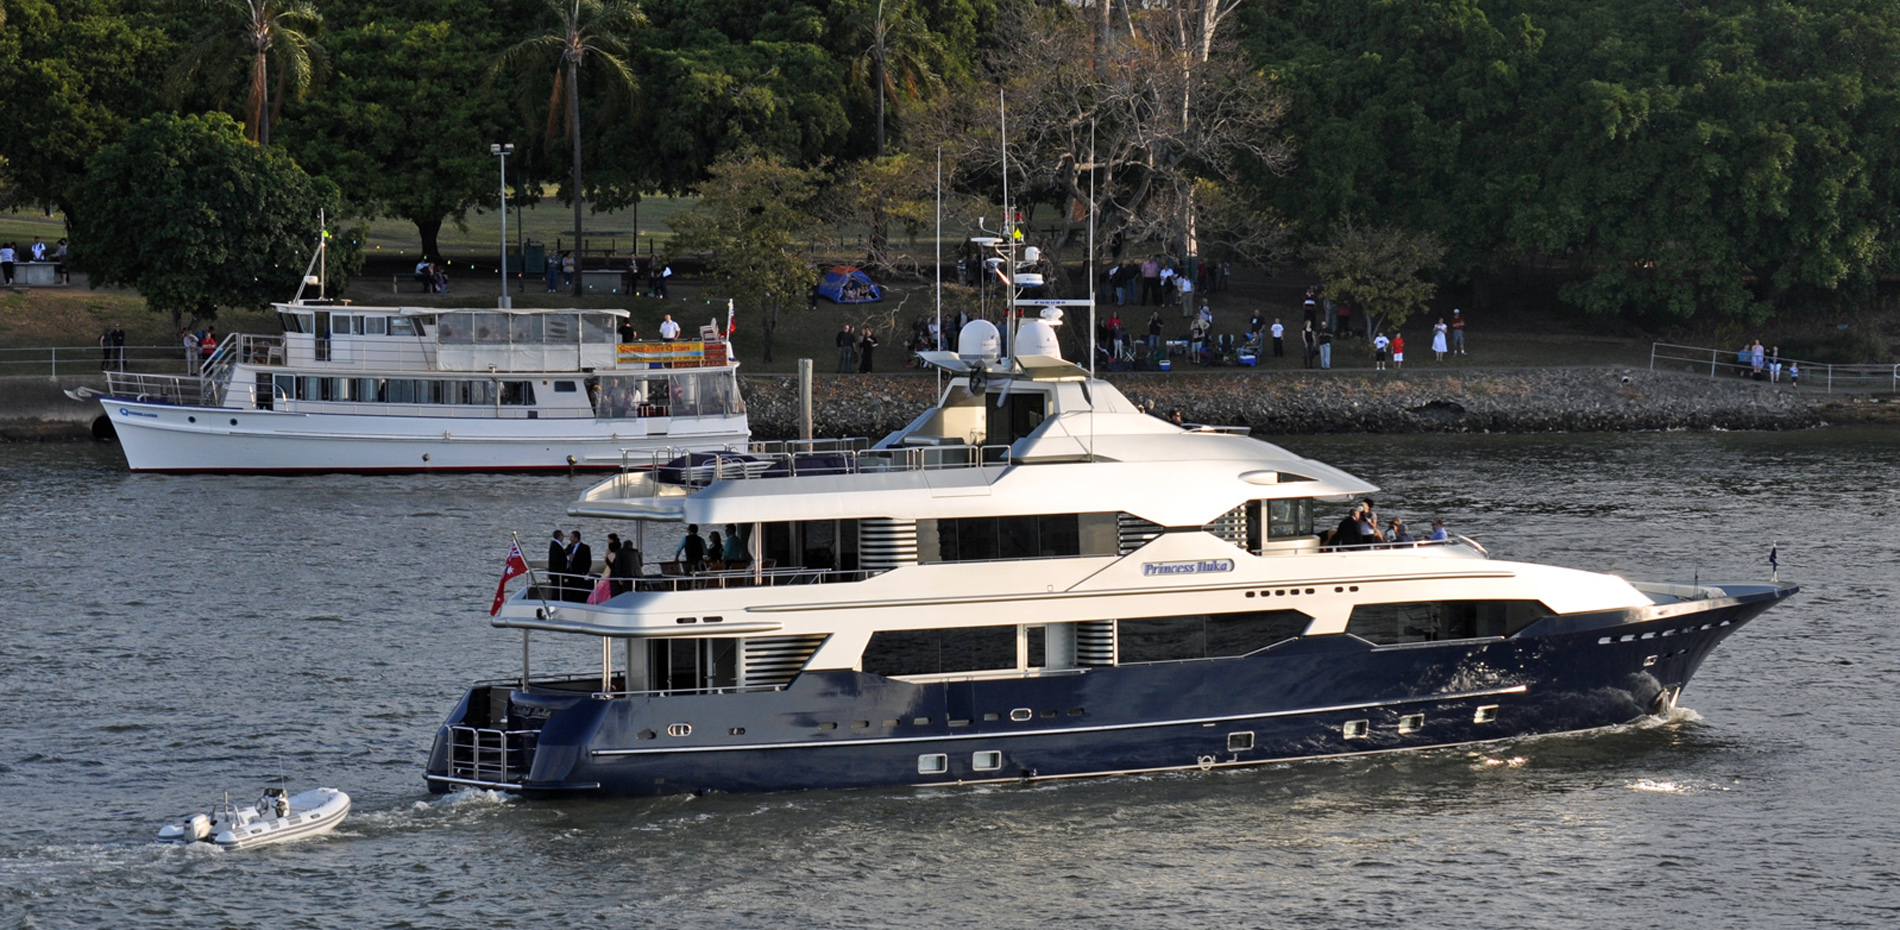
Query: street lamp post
[502,150]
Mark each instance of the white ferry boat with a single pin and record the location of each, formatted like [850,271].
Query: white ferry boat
[1037,580]
[390,389]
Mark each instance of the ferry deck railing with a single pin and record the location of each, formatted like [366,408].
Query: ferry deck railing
[1830,377]
[164,389]
[82,360]
[1454,540]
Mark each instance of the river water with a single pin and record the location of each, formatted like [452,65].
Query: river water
[165,639]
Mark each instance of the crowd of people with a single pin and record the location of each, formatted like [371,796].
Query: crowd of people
[571,574]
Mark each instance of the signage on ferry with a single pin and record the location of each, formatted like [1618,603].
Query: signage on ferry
[1190,567]
[693,352]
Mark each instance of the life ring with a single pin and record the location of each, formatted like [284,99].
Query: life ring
[1205,762]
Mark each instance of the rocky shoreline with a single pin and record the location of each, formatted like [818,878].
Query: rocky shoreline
[1523,400]
[1304,402]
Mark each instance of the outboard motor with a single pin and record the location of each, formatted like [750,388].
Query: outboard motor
[198,828]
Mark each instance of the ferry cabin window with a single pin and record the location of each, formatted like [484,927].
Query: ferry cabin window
[1429,621]
[294,322]
[405,390]
[564,387]
[1172,639]
[1034,536]
[402,326]
[896,653]
[342,325]
[375,325]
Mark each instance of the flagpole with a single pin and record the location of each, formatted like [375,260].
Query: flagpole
[533,584]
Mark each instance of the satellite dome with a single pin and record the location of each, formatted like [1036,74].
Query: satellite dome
[979,341]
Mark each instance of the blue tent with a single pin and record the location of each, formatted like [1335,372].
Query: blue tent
[847,285]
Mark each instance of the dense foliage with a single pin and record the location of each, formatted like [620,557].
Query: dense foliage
[1656,160]
[190,212]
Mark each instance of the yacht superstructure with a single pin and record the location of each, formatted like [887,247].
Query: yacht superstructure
[1035,579]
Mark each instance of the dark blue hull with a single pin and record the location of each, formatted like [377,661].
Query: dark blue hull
[1304,698]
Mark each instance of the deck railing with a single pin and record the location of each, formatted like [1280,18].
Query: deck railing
[646,473]
[1830,378]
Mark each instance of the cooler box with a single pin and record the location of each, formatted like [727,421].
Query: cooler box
[1164,364]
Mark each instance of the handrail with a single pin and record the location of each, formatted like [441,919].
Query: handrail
[654,470]
[1832,377]
[48,360]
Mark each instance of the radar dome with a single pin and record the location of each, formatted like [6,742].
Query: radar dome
[1038,336]
[979,341]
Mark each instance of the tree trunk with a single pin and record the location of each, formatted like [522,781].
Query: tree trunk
[768,325]
[259,102]
[574,112]
[429,230]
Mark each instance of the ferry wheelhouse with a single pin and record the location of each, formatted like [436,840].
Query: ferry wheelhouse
[1035,580]
[348,388]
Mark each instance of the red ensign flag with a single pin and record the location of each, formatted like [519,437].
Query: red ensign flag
[516,567]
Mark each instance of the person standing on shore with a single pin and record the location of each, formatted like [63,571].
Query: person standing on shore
[1457,332]
[1438,339]
[1279,339]
[1154,334]
[1325,340]
[866,346]
[1150,281]
[1310,307]
[1380,345]
[1309,345]
[1398,351]
[6,262]
[847,345]
[1794,374]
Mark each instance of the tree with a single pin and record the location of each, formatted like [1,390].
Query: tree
[753,214]
[269,43]
[73,71]
[405,122]
[585,31]
[1154,112]
[1379,267]
[896,49]
[196,217]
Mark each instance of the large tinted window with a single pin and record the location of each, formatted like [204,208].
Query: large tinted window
[936,652]
[1426,621]
[1035,536]
[1204,636]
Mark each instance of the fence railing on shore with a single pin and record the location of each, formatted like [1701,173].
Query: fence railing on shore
[1829,377]
[80,360]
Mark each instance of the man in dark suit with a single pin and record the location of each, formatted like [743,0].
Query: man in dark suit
[557,567]
[580,561]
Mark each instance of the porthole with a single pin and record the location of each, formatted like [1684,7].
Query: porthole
[1075,711]
[933,764]
[1411,723]
[647,734]
[860,724]
[991,717]
[920,721]
[828,725]
[736,731]
[1649,661]
[1355,729]
[1051,712]
[679,729]
[1021,714]
[890,721]
[1250,594]
[233,421]
[1308,590]
[957,723]
[191,419]
[1239,742]
[1486,714]
[986,761]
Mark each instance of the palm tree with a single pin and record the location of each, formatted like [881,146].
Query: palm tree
[898,47]
[267,39]
[584,30]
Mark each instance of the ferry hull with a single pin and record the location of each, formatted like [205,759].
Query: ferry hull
[189,439]
[1305,698]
